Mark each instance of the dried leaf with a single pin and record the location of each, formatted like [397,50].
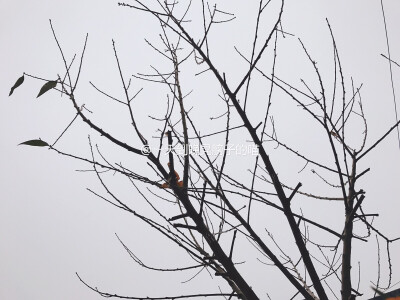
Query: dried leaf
[46,87]
[36,143]
[16,84]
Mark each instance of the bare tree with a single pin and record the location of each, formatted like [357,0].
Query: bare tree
[201,202]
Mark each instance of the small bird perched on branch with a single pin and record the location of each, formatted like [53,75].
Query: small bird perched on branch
[166,185]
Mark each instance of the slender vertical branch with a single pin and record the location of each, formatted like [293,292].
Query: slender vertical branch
[390,70]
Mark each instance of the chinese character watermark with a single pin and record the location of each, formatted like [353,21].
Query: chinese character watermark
[209,149]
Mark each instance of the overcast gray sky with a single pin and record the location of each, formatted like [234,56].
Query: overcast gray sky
[52,227]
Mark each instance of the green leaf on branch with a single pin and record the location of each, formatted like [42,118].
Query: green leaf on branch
[46,87]
[36,143]
[16,84]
